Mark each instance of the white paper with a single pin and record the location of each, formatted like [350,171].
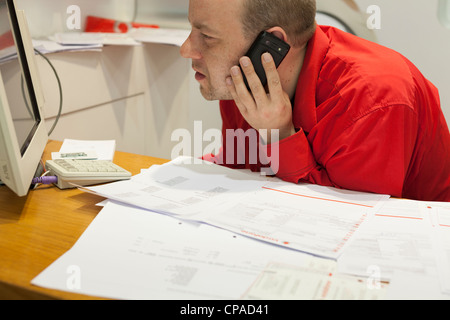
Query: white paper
[49,46]
[317,280]
[411,286]
[89,155]
[314,220]
[441,238]
[317,225]
[45,47]
[8,54]
[174,37]
[94,38]
[442,245]
[181,189]
[104,149]
[397,239]
[129,253]
[328,194]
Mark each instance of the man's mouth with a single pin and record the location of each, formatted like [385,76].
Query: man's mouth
[199,76]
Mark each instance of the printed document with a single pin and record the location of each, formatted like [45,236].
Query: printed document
[307,218]
[397,239]
[317,220]
[129,253]
[174,37]
[411,286]
[441,238]
[181,189]
[317,280]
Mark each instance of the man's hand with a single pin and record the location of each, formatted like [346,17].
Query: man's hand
[270,111]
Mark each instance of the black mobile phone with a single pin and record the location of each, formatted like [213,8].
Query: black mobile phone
[266,42]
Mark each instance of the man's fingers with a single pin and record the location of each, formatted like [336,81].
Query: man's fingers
[242,95]
[253,80]
[273,78]
[232,89]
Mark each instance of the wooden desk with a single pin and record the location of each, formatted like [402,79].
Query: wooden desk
[37,229]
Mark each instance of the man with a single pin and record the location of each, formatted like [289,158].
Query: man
[348,113]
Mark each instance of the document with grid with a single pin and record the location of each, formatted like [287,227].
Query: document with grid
[307,218]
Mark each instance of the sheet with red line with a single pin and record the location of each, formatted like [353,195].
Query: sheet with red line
[307,218]
[441,238]
[398,238]
[313,219]
[405,240]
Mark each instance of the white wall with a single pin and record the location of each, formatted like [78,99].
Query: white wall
[143,108]
[412,28]
[137,96]
[408,26]
[164,7]
[46,17]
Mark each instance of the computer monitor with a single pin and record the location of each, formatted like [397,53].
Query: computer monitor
[23,135]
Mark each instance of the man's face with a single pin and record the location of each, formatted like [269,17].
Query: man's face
[215,44]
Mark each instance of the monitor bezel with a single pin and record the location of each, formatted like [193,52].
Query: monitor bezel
[18,164]
[25,68]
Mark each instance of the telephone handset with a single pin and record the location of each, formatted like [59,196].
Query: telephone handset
[266,42]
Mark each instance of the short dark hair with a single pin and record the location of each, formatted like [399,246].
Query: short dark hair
[296,17]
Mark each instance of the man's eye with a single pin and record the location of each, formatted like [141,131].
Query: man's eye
[206,37]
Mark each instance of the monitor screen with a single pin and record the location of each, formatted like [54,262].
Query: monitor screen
[22,104]
[23,135]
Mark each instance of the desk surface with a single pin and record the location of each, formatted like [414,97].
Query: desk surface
[37,229]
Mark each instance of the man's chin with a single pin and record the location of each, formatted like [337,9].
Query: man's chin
[212,95]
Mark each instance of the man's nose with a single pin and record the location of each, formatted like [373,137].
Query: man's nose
[189,51]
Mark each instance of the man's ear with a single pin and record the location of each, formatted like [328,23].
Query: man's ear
[279,33]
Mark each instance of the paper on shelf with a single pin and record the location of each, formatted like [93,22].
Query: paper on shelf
[174,37]
[49,46]
[94,38]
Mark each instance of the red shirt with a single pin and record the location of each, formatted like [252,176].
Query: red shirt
[367,120]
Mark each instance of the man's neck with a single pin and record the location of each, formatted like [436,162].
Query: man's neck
[290,69]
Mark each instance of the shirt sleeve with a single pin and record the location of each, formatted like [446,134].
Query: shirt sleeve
[291,159]
[371,155]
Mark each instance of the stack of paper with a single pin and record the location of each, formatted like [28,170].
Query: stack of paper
[317,280]
[49,46]
[315,220]
[175,37]
[442,241]
[91,41]
[193,230]
[128,253]
[134,37]
[94,38]
[8,54]
[404,240]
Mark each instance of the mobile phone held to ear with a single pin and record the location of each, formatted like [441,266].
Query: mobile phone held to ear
[266,42]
